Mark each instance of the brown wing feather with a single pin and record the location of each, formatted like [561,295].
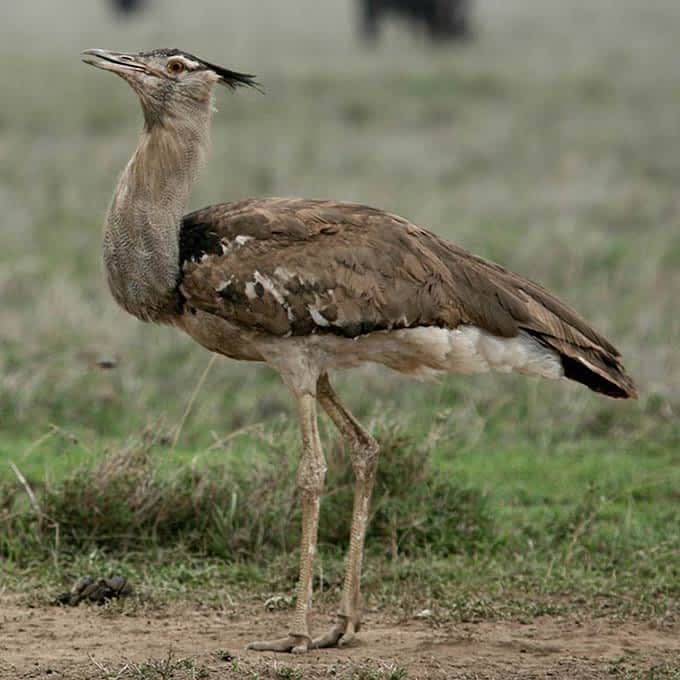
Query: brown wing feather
[357,268]
[295,267]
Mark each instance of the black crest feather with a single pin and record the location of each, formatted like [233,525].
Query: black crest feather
[231,79]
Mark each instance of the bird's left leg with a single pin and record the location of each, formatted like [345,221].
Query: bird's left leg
[363,449]
[310,480]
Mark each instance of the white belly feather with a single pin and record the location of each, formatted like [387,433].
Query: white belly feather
[421,352]
[466,349]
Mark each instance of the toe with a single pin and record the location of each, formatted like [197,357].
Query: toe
[292,643]
[347,640]
[329,639]
[349,637]
[281,645]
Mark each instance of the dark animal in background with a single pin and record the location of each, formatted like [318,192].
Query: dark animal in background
[127,6]
[442,19]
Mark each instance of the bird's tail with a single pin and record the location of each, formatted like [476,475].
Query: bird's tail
[594,367]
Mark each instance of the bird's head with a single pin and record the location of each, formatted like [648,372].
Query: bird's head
[169,82]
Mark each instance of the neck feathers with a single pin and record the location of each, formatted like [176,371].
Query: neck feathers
[141,235]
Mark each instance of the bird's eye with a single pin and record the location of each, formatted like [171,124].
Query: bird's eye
[175,66]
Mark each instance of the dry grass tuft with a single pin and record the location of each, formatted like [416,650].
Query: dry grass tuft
[128,500]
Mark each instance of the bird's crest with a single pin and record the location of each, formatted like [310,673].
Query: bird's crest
[229,78]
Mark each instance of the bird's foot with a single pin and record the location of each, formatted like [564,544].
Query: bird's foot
[342,634]
[295,644]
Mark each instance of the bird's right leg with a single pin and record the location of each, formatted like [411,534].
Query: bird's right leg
[310,480]
[363,449]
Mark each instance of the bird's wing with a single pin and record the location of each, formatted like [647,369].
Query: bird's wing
[296,267]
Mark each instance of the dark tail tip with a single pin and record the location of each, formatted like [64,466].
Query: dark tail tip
[616,384]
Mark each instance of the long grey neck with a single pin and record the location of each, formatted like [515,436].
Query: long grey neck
[141,234]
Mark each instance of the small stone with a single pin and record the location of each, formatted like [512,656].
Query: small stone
[107,363]
[278,602]
[99,592]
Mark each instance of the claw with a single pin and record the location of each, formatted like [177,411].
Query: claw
[295,644]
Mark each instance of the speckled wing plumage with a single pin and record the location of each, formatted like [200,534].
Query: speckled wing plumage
[296,267]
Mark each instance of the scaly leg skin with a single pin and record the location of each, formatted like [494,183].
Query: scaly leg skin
[310,480]
[364,455]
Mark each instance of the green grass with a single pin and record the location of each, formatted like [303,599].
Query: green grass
[486,532]
[549,144]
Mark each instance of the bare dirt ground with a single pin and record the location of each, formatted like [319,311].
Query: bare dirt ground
[195,642]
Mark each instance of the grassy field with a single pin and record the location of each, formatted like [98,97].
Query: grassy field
[549,144]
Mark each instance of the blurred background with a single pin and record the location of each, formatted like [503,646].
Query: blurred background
[543,135]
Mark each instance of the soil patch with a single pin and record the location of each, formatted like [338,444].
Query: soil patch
[192,641]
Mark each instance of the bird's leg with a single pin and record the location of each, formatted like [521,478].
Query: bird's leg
[364,456]
[310,480]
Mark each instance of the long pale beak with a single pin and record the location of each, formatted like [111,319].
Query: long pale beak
[117,62]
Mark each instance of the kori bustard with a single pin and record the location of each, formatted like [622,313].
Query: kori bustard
[308,286]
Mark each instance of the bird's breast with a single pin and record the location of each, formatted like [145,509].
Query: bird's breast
[218,335]
[142,269]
